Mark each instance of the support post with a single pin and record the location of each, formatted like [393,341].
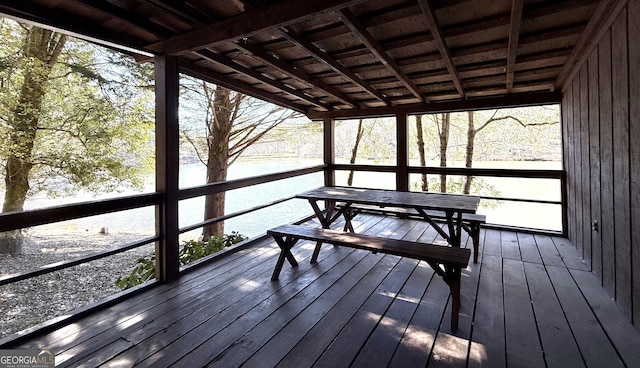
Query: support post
[402,152]
[167,162]
[329,155]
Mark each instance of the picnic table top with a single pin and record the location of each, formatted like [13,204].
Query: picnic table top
[383,197]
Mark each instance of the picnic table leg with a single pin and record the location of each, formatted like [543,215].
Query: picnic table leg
[475,236]
[327,218]
[285,253]
[454,222]
[325,221]
[435,226]
[348,215]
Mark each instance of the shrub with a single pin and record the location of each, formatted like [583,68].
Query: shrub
[145,267]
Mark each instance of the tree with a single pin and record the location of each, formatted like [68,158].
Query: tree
[443,132]
[40,53]
[354,151]
[472,132]
[423,162]
[233,122]
[66,125]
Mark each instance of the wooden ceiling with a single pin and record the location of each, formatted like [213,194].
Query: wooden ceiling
[340,56]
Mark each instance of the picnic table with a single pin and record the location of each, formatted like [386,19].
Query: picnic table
[452,205]
[447,262]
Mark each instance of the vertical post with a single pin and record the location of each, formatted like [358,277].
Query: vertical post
[402,152]
[564,200]
[329,155]
[167,162]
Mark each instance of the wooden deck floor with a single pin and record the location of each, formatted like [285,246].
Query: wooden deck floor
[529,302]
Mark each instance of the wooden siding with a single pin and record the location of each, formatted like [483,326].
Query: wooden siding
[601,125]
[634,131]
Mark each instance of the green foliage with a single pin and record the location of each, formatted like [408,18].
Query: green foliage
[95,123]
[144,270]
[145,267]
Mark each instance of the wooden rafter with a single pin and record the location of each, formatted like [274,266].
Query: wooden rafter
[249,23]
[61,20]
[400,56]
[325,58]
[515,99]
[275,62]
[436,32]
[205,74]
[212,56]
[184,12]
[125,16]
[351,21]
[514,34]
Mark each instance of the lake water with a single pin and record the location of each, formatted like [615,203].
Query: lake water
[542,216]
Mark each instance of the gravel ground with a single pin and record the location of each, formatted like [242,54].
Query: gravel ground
[29,302]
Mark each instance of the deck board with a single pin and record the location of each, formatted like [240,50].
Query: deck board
[528,248]
[529,301]
[597,350]
[560,349]
[510,247]
[523,344]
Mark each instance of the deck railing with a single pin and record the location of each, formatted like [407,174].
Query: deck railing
[19,220]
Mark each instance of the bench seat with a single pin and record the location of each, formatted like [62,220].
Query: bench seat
[471,222]
[446,261]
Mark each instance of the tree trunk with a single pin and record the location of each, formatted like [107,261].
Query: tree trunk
[444,143]
[40,53]
[471,135]
[218,160]
[423,162]
[354,152]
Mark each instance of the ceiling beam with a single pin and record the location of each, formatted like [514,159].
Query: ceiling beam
[275,62]
[514,34]
[352,22]
[248,23]
[512,100]
[61,21]
[325,58]
[181,10]
[436,31]
[116,12]
[206,75]
[212,56]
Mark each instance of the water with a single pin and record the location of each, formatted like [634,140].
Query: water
[142,220]
[191,211]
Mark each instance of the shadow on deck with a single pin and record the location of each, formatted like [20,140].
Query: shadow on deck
[529,302]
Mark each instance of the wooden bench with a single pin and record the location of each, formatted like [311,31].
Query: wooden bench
[445,261]
[471,222]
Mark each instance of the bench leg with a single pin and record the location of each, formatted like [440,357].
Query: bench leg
[452,278]
[316,253]
[285,253]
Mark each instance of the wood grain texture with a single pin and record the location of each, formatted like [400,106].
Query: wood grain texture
[585,157]
[357,307]
[634,164]
[607,227]
[594,165]
[621,195]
